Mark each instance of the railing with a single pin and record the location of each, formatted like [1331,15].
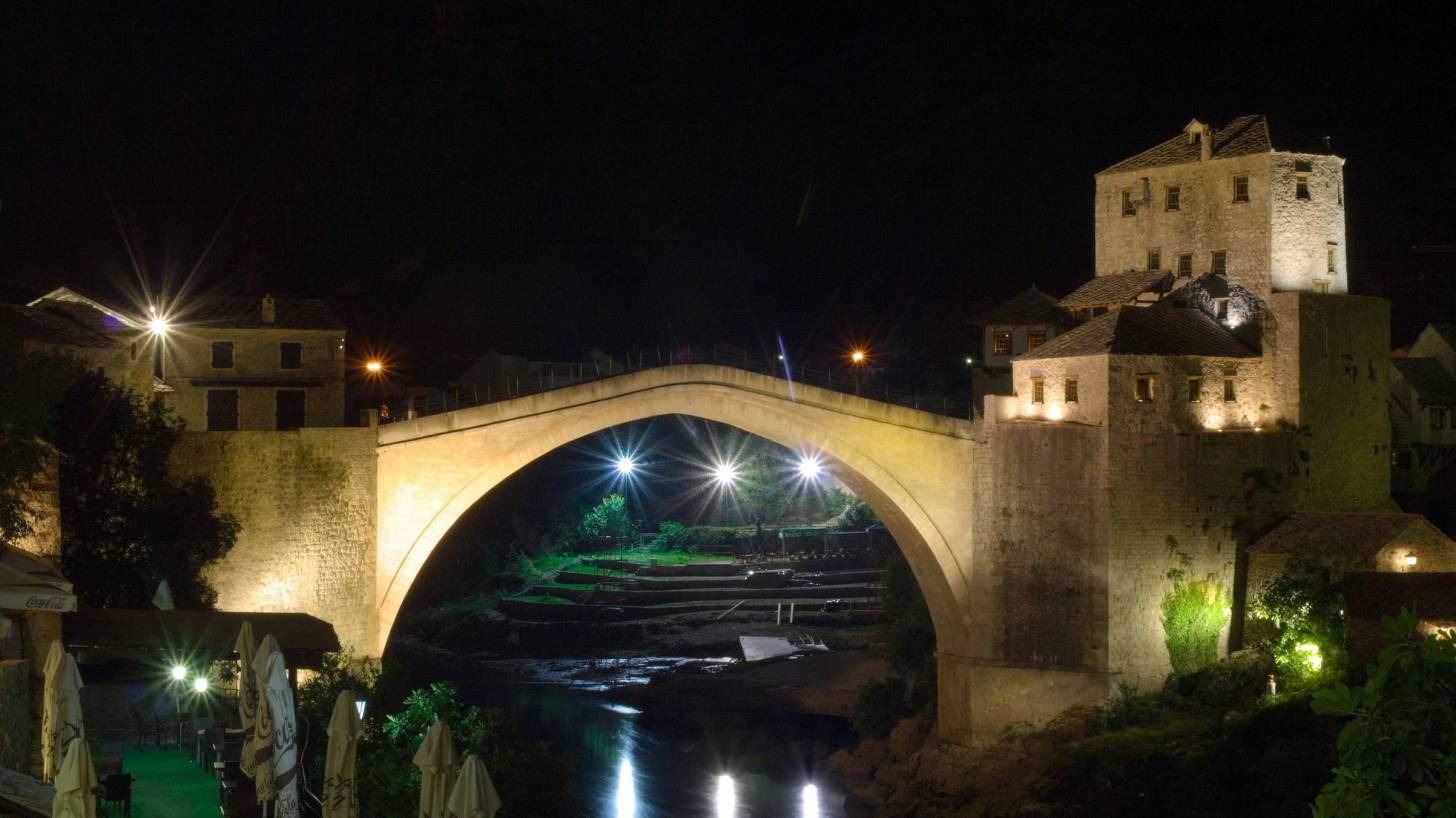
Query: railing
[859,380]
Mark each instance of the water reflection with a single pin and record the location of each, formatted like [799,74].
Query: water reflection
[811,801]
[626,791]
[726,800]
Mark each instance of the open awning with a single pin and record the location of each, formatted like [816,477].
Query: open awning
[29,583]
[169,635]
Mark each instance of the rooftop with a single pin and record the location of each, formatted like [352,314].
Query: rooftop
[51,323]
[1157,330]
[1432,383]
[1030,306]
[303,638]
[1346,536]
[1244,136]
[247,313]
[1116,288]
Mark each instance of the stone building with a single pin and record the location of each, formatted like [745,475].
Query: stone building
[1020,324]
[64,322]
[1423,414]
[1250,200]
[256,364]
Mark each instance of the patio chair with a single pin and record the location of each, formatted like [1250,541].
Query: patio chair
[116,789]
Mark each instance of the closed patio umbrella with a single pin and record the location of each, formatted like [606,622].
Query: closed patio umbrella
[273,682]
[341,799]
[61,721]
[75,785]
[29,583]
[247,648]
[474,795]
[260,744]
[437,762]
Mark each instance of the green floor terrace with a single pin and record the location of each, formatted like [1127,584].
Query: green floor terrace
[169,784]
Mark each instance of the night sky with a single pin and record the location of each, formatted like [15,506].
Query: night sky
[547,177]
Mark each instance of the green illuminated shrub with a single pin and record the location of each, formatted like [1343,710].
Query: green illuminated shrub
[1305,607]
[1194,614]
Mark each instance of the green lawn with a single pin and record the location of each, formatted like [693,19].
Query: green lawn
[169,784]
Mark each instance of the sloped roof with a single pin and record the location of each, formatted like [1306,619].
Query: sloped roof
[302,638]
[48,326]
[1432,383]
[1369,595]
[1447,333]
[1030,306]
[247,313]
[1158,330]
[1352,537]
[1243,136]
[1116,288]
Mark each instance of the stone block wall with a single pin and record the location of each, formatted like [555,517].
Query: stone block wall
[1303,230]
[306,504]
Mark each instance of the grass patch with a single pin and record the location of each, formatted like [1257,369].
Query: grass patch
[544,599]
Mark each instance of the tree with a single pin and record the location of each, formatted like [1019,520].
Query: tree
[1305,603]
[609,518]
[1398,751]
[126,523]
[29,383]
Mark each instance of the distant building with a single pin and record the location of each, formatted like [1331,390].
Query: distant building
[1250,200]
[1423,415]
[1018,325]
[256,364]
[67,323]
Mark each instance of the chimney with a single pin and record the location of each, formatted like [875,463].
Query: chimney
[268,313]
[1205,145]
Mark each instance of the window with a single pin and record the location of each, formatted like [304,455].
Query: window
[1096,311]
[1321,285]
[1330,259]
[222,354]
[1220,309]
[1340,194]
[1070,393]
[1035,338]
[222,410]
[290,403]
[1301,179]
[1143,389]
[1219,262]
[1185,264]
[290,355]
[1001,342]
[1241,189]
[1174,194]
[1195,390]
[1438,417]
[1129,208]
[1038,390]
[1229,395]
[1155,259]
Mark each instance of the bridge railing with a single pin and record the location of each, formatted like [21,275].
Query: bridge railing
[861,380]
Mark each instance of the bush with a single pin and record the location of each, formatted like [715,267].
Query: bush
[878,706]
[1128,708]
[857,516]
[671,536]
[1194,615]
[1306,608]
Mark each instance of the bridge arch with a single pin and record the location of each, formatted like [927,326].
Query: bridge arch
[911,467]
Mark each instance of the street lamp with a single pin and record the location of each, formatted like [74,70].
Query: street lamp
[809,467]
[725,474]
[373,367]
[625,465]
[179,672]
[857,356]
[199,684]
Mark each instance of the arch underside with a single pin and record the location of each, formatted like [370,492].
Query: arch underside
[887,464]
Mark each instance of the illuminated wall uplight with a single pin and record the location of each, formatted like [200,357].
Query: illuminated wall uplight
[1310,652]
[1055,412]
[811,801]
[725,800]
[1410,560]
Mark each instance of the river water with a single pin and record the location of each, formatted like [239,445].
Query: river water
[634,766]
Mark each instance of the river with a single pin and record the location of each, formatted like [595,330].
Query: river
[636,766]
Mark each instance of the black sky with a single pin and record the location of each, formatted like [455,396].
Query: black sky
[544,177]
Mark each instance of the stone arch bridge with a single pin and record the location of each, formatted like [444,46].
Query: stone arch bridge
[338,522]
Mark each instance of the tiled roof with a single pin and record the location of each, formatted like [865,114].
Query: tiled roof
[1433,384]
[1156,330]
[1030,306]
[247,313]
[49,326]
[1244,136]
[1447,333]
[1369,595]
[1349,537]
[1116,288]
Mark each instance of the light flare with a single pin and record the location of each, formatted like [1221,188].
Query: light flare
[626,791]
[811,801]
[725,800]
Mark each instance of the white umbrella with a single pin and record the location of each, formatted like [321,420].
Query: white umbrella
[76,785]
[260,744]
[29,583]
[61,721]
[437,762]
[247,693]
[341,799]
[474,795]
[273,681]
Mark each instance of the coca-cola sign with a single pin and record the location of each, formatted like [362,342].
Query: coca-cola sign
[47,603]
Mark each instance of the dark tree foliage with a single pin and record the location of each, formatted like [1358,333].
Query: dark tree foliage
[126,523]
[28,384]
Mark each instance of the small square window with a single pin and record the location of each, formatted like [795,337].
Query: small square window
[1070,393]
[1035,338]
[1001,342]
[222,410]
[1129,207]
[1330,259]
[1185,264]
[1143,389]
[1229,394]
[1038,390]
[1195,390]
[1241,189]
[1303,166]
[1219,264]
[222,354]
[1155,259]
[1301,187]
[1174,197]
[290,355]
